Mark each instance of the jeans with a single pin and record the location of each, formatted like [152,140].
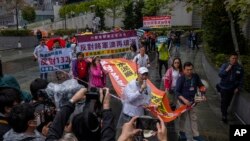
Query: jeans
[226,98]
[165,63]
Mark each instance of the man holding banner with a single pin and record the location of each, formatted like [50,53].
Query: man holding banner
[38,50]
[136,94]
[186,90]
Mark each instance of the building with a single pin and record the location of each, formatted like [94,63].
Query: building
[44,10]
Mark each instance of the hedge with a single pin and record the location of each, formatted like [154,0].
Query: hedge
[64,32]
[16,33]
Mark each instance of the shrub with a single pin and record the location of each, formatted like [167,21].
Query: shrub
[15,33]
[220,59]
[64,32]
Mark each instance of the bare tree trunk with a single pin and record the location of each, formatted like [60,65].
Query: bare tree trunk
[114,16]
[17,23]
[234,37]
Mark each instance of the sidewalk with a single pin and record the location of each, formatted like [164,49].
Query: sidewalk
[15,54]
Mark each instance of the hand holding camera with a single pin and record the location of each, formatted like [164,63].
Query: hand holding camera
[80,95]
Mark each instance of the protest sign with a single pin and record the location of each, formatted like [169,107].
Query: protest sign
[160,40]
[157,21]
[107,43]
[57,58]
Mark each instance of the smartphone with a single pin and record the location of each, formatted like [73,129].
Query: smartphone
[147,123]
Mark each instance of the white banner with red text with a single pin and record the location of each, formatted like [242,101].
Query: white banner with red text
[49,61]
[157,21]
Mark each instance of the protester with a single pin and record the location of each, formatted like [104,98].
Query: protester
[23,124]
[129,131]
[195,40]
[136,94]
[152,41]
[163,57]
[40,49]
[85,125]
[132,52]
[56,45]
[231,75]
[80,69]
[190,42]
[170,79]
[186,89]
[39,35]
[97,73]
[44,107]
[9,97]
[142,59]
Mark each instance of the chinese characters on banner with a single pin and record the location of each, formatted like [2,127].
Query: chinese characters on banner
[157,21]
[122,71]
[57,58]
[107,43]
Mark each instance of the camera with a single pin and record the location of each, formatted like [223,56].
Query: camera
[147,123]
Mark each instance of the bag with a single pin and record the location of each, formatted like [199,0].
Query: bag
[218,88]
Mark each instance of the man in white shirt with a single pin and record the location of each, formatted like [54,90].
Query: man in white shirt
[40,48]
[142,59]
[136,95]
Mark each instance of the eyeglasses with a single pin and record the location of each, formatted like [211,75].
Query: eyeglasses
[176,62]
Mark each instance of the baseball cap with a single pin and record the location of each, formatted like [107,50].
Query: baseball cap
[142,70]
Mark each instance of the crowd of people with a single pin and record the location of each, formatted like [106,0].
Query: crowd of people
[35,117]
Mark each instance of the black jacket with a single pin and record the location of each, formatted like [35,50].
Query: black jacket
[57,127]
[4,127]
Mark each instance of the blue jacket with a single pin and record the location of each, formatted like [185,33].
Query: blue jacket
[233,78]
[187,87]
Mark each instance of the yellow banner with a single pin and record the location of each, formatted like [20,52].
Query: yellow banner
[122,71]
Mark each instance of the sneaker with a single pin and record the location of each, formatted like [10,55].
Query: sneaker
[182,136]
[198,138]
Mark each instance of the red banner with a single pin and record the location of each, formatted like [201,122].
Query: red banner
[122,71]
[157,21]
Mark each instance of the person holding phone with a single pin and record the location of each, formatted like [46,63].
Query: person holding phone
[135,95]
[231,75]
[129,131]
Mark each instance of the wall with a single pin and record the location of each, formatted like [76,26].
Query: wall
[180,17]
[11,42]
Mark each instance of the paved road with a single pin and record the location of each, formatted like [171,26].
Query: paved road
[20,64]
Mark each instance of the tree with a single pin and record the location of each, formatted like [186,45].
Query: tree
[129,18]
[138,14]
[99,12]
[29,14]
[112,7]
[152,7]
[237,12]
[14,6]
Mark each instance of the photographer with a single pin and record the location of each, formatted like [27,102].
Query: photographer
[44,107]
[86,125]
[129,130]
[23,122]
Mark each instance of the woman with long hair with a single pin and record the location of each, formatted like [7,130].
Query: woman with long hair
[132,52]
[97,73]
[170,79]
